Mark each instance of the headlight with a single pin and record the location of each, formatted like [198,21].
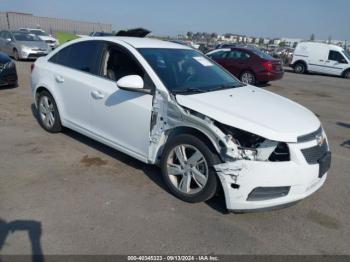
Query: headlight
[9,65]
[25,48]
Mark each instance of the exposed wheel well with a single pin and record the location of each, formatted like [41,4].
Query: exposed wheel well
[187,130]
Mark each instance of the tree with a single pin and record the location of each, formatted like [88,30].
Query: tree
[189,35]
[312,37]
[282,44]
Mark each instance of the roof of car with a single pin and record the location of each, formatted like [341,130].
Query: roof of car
[138,42]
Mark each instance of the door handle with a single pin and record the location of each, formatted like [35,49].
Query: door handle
[327,61]
[59,79]
[97,94]
[321,60]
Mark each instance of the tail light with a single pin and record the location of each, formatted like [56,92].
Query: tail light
[267,65]
[31,68]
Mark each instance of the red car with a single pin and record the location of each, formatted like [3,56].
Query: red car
[250,65]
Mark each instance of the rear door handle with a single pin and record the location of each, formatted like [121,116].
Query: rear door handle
[59,79]
[97,94]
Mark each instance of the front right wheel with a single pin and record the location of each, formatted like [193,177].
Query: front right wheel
[188,168]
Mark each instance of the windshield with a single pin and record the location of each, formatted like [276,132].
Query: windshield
[187,71]
[261,54]
[38,32]
[19,36]
[347,54]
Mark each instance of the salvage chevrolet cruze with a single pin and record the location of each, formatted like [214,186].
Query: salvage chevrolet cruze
[166,104]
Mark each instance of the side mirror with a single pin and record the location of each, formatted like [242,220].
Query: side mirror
[132,83]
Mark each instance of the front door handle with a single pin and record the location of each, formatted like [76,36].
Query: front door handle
[59,79]
[97,94]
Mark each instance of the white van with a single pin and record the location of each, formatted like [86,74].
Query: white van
[321,58]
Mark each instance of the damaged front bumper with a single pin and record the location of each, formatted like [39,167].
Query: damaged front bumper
[263,185]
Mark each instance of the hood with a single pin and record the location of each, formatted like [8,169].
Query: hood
[256,111]
[34,44]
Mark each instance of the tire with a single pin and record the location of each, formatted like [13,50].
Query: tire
[48,115]
[16,55]
[347,74]
[264,83]
[300,68]
[201,186]
[248,77]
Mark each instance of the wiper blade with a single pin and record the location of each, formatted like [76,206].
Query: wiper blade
[222,87]
[189,90]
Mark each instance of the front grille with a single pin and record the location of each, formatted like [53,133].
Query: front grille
[313,154]
[310,136]
[36,55]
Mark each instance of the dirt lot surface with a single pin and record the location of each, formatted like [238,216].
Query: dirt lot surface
[76,196]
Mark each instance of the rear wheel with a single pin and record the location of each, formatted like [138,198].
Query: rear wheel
[49,117]
[248,77]
[300,68]
[347,74]
[16,54]
[188,169]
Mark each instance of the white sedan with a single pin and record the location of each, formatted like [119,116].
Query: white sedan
[167,104]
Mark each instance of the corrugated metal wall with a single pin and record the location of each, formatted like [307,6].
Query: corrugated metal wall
[18,20]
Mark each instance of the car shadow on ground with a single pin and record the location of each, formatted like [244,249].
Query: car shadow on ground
[34,230]
[342,124]
[151,171]
[8,87]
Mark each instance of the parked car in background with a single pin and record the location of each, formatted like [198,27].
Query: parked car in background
[8,73]
[167,104]
[250,65]
[321,58]
[21,45]
[100,34]
[49,39]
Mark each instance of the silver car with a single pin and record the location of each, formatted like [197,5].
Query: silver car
[21,45]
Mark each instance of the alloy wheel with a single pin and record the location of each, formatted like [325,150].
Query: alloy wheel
[248,78]
[47,112]
[187,169]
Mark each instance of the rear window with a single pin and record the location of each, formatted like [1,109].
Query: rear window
[261,54]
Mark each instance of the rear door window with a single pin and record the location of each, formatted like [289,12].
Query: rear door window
[83,56]
[219,54]
[238,55]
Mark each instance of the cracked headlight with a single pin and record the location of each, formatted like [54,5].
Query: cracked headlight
[254,147]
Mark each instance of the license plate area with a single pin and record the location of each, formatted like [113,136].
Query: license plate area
[324,164]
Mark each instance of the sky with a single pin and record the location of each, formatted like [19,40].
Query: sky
[260,18]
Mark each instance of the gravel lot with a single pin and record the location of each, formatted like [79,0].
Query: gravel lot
[76,196]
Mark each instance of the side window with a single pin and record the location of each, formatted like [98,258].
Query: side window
[336,56]
[83,56]
[219,54]
[118,63]
[238,55]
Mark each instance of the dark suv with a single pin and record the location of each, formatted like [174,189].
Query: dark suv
[250,65]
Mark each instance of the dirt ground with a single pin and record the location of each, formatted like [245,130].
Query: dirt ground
[66,194]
